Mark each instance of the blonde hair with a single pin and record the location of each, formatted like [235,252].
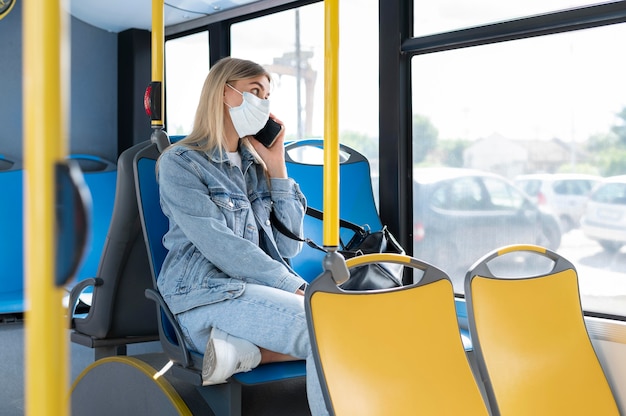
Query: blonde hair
[208,125]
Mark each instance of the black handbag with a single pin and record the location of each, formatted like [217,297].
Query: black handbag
[377,275]
[368,276]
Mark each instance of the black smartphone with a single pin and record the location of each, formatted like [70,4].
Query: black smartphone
[268,134]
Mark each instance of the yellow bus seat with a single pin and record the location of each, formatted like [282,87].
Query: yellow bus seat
[531,344]
[391,352]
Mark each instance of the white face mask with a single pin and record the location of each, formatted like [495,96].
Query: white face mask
[250,117]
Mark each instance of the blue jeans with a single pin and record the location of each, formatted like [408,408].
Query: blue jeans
[269,318]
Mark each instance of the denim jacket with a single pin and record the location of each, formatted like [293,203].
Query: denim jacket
[220,236]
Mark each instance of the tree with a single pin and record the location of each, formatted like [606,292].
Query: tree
[452,152]
[610,148]
[612,161]
[360,142]
[600,142]
[425,137]
[619,129]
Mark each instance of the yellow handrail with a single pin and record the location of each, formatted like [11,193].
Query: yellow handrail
[331,117]
[45,72]
[158,44]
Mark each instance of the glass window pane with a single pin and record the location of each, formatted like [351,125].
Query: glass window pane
[278,40]
[290,45]
[502,196]
[186,67]
[551,106]
[443,15]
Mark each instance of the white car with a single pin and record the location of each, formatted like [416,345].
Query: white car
[564,194]
[605,217]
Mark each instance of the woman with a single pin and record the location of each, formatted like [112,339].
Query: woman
[225,277]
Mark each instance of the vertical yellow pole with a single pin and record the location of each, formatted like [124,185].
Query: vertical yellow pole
[45,69]
[331,117]
[158,43]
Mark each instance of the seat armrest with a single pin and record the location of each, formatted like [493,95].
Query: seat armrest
[175,349]
[76,292]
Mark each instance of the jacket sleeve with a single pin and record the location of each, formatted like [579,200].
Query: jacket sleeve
[185,198]
[289,205]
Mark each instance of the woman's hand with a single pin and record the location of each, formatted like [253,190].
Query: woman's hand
[274,157]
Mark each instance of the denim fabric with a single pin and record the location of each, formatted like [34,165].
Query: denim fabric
[220,235]
[279,325]
[225,265]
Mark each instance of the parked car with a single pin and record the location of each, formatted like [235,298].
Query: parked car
[462,214]
[564,193]
[605,216]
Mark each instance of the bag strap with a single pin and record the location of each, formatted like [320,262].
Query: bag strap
[281,227]
[315,213]
[287,232]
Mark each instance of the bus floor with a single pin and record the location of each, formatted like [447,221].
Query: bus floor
[276,399]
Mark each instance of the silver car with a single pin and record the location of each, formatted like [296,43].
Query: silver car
[605,216]
[565,194]
[461,214]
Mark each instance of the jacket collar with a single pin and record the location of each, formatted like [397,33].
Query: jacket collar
[219,155]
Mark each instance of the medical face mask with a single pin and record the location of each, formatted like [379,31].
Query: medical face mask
[249,117]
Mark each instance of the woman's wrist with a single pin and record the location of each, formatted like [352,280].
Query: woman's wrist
[278,173]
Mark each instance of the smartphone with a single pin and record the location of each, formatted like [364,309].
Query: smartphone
[268,134]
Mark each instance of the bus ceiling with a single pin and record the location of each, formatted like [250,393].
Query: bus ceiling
[137,13]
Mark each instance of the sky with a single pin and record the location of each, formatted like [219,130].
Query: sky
[564,86]
[567,86]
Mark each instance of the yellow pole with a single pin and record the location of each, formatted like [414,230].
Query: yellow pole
[45,68]
[331,117]
[158,42]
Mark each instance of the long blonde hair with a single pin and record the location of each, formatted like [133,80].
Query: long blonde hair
[208,125]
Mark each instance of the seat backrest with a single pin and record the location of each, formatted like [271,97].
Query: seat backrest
[11,237]
[118,306]
[304,160]
[393,351]
[530,339]
[187,363]
[100,177]
[155,224]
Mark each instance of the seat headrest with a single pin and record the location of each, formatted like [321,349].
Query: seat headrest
[161,138]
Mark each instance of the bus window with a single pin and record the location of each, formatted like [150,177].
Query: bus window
[282,40]
[549,104]
[186,67]
[439,16]
[289,45]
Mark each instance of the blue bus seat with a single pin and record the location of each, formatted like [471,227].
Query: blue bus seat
[119,314]
[304,160]
[530,340]
[187,364]
[11,236]
[100,176]
[393,351]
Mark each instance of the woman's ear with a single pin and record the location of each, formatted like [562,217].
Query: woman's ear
[224,95]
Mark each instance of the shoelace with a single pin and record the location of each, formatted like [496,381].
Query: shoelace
[245,363]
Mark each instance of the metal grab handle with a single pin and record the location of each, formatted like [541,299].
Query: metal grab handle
[72,214]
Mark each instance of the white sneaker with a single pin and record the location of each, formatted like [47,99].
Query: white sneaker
[226,355]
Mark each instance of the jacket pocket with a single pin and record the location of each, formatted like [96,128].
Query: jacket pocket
[235,209]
